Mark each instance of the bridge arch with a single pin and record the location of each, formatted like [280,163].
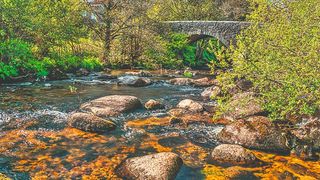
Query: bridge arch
[224,31]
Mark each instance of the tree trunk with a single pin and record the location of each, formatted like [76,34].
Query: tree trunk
[107,47]
[107,35]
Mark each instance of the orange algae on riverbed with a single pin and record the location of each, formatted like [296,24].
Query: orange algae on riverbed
[277,167]
[42,159]
[152,121]
[64,155]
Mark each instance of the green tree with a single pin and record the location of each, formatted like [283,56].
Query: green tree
[280,54]
[172,10]
[112,20]
[44,23]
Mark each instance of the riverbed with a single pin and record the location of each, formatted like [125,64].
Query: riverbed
[36,142]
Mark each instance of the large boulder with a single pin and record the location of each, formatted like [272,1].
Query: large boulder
[134,81]
[190,105]
[162,166]
[257,132]
[309,132]
[211,92]
[233,155]
[182,81]
[243,105]
[90,123]
[112,105]
[203,82]
[153,104]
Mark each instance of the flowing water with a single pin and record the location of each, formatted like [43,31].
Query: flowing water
[36,143]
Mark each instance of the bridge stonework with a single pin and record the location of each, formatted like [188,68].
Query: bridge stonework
[224,31]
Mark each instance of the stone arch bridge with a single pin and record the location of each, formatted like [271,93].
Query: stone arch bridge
[224,31]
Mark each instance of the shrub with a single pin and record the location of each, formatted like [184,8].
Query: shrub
[188,74]
[15,56]
[7,70]
[279,53]
[17,59]
[91,63]
[38,67]
[69,63]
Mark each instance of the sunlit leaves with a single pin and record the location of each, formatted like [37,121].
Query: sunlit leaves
[280,54]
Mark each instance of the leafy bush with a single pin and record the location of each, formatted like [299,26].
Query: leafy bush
[188,74]
[17,59]
[71,63]
[196,54]
[279,53]
[91,63]
[7,70]
[15,55]
[37,67]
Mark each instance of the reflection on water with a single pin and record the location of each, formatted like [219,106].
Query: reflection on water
[36,143]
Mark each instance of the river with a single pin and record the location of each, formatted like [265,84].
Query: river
[36,143]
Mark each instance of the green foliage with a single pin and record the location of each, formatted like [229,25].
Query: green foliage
[171,10]
[279,53]
[188,74]
[7,70]
[15,56]
[73,89]
[91,63]
[71,63]
[38,67]
[43,23]
[17,59]
[196,54]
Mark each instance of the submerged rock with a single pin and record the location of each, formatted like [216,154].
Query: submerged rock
[90,123]
[257,132]
[189,117]
[211,92]
[236,172]
[112,105]
[190,105]
[174,120]
[134,81]
[243,105]
[164,165]
[233,155]
[153,104]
